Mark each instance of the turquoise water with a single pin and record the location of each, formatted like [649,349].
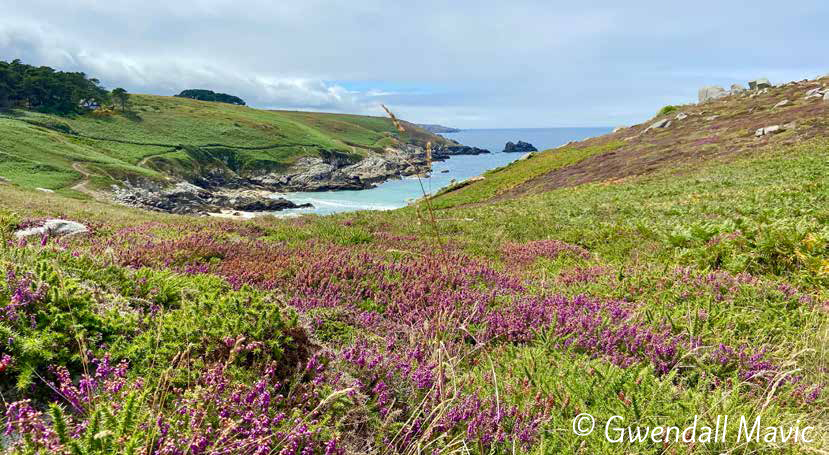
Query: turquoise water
[397,193]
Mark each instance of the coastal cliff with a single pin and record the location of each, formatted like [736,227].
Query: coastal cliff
[181,155]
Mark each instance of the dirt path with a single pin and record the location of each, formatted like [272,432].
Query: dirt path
[82,185]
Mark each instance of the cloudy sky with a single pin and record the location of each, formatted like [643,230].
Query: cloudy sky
[470,64]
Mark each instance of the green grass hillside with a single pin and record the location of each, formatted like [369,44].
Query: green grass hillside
[667,279]
[719,130]
[169,133]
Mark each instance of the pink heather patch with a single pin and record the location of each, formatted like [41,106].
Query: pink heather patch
[527,253]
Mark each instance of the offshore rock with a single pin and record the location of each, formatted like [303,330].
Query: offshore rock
[520,147]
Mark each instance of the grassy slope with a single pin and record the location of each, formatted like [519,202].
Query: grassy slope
[718,130]
[712,251]
[151,135]
[763,214]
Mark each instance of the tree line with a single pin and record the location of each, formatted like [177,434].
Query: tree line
[45,89]
[209,95]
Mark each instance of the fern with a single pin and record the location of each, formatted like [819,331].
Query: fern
[129,417]
[59,423]
[92,430]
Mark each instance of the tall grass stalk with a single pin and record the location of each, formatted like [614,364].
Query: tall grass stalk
[426,199]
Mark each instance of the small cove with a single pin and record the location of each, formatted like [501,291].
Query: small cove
[398,193]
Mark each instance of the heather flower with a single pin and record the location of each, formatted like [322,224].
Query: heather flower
[526,253]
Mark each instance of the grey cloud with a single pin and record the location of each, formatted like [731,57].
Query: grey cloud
[518,63]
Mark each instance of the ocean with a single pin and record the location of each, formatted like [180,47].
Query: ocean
[398,193]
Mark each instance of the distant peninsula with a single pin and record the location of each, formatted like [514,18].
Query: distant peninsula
[438,128]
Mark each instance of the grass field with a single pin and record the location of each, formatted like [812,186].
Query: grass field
[699,288]
[156,132]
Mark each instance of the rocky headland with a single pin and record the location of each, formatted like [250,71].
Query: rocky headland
[438,128]
[217,187]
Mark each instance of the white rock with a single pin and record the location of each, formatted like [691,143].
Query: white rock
[774,129]
[664,123]
[711,118]
[782,104]
[711,92]
[815,91]
[826,96]
[53,228]
[681,116]
[527,156]
[737,88]
[45,190]
[618,128]
[759,84]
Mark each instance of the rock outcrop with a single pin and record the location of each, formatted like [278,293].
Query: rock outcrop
[444,152]
[186,198]
[53,228]
[664,123]
[774,129]
[737,88]
[711,92]
[759,84]
[519,147]
[216,188]
[438,128]
[329,172]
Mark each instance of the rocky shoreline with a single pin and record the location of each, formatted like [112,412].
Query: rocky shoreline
[219,189]
[187,198]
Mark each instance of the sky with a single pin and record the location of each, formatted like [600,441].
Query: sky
[467,64]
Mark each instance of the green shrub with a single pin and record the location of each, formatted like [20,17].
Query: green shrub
[667,110]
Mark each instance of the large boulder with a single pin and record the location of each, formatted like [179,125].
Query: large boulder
[520,147]
[774,129]
[783,103]
[53,228]
[664,123]
[711,92]
[759,84]
[737,88]
[816,92]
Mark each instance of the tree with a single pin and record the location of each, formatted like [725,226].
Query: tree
[209,95]
[44,89]
[121,97]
